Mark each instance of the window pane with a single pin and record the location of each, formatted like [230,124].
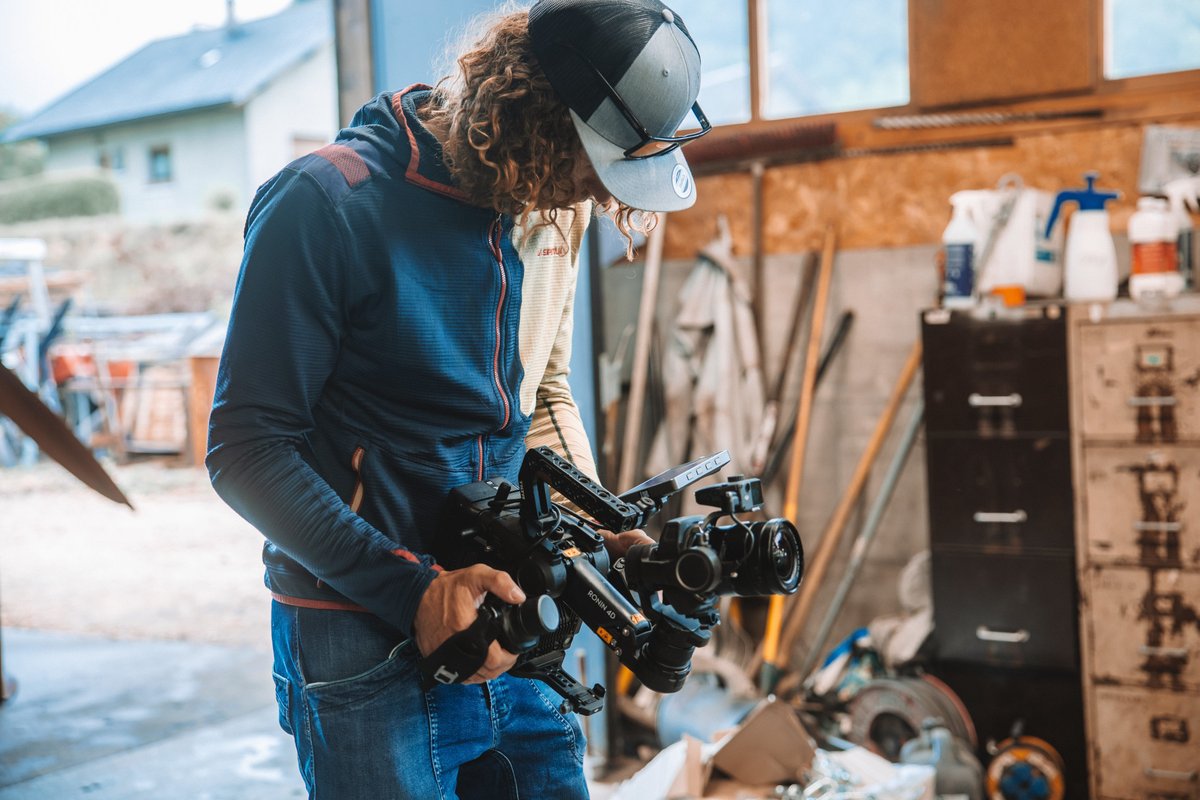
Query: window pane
[160,164]
[1143,37]
[838,56]
[721,31]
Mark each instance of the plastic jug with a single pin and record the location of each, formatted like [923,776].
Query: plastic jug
[1153,241]
[1090,264]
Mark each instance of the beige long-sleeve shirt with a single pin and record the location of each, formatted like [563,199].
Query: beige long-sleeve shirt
[551,258]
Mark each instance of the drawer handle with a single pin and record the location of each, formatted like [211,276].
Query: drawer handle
[992,401]
[1170,774]
[1162,527]
[1176,652]
[1006,517]
[1008,637]
[1140,402]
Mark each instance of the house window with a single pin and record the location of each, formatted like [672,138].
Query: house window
[160,164]
[111,159]
[1146,37]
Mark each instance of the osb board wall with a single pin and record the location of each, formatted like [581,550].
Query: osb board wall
[896,200]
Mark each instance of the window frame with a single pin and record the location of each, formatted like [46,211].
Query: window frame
[151,176]
[1131,99]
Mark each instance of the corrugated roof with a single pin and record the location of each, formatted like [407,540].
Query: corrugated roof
[202,69]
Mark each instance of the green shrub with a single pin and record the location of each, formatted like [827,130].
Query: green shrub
[50,198]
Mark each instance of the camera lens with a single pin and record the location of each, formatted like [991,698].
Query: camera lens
[775,562]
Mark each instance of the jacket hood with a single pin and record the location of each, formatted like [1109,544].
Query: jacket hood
[389,123]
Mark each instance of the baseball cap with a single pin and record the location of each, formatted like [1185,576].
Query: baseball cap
[629,73]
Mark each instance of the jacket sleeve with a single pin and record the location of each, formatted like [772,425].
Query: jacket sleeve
[556,422]
[289,312]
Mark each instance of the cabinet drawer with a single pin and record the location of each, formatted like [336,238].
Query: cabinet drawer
[1142,506]
[1001,495]
[995,378]
[1140,380]
[1147,744]
[1145,626]
[1004,610]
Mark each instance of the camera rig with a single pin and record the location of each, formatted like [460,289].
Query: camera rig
[651,608]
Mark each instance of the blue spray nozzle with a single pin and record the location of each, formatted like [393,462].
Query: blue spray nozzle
[1089,199]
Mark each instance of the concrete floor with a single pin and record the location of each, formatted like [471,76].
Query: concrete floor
[120,720]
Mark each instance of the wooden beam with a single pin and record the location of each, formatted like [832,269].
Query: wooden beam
[756,12]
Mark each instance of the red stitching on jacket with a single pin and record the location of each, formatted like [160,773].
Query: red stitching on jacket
[348,162]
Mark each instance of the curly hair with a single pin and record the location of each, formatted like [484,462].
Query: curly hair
[510,143]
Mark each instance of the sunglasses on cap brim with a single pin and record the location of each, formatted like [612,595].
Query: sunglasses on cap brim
[649,145]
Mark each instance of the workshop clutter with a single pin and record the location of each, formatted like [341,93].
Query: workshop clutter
[120,381]
[1007,243]
[997,243]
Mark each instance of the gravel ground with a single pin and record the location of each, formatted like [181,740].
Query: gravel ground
[182,566]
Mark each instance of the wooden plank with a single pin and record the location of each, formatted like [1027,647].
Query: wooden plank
[974,50]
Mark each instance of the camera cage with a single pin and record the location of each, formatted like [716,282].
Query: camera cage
[553,551]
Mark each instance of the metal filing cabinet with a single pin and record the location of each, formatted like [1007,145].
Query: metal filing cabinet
[1135,379]
[998,455]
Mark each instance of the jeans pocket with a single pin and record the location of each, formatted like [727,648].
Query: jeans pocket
[360,688]
[283,699]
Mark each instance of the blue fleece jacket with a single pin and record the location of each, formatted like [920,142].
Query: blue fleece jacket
[371,365]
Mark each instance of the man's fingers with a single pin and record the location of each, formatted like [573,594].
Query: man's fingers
[498,583]
[618,544]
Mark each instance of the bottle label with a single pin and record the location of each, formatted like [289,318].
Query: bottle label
[1151,257]
[960,271]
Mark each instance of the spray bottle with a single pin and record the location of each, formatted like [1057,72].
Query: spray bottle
[1090,265]
[1182,194]
[959,239]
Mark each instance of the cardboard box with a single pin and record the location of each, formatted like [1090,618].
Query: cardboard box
[770,746]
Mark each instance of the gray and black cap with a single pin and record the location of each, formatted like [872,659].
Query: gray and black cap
[644,53]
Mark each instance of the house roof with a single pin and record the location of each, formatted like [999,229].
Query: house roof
[201,69]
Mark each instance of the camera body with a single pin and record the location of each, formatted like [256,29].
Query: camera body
[651,608]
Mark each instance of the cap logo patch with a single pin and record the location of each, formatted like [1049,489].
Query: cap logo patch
[681,181]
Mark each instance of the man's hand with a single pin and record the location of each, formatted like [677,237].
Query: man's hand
[618,543]
[451,604]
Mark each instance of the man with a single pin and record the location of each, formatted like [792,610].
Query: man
[401,326]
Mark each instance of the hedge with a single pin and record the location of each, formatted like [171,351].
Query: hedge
[51,198]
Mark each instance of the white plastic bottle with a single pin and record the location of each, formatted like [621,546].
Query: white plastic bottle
[1153,234]
[958,242]
[1090,266]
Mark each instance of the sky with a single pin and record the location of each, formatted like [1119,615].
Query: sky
[49,47]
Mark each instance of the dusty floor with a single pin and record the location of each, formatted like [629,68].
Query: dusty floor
[182,566]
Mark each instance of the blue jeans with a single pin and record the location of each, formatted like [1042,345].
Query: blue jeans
[349,693]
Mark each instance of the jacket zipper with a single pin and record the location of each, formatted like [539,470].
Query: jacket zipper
[494,241]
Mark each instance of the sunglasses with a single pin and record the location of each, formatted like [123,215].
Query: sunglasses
[649,144]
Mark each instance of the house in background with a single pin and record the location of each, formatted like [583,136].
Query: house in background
[197,122]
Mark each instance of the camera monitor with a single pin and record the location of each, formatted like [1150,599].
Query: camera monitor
[665,484]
